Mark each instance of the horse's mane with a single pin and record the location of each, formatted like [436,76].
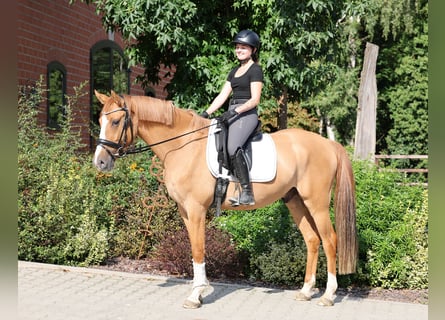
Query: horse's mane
[152,109]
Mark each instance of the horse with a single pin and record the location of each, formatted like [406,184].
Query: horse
[308,167]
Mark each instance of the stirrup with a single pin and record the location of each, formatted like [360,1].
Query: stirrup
[236,201]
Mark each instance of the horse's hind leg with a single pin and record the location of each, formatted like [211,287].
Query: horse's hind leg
[307,227]
[195,224]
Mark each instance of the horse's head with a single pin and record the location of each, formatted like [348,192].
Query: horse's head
[116,131]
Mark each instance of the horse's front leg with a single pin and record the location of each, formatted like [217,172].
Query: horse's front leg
[195,223]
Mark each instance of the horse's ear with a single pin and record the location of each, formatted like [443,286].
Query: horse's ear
[101,97]
[114,95]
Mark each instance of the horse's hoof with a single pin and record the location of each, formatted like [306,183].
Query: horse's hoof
[300,296]
[189,304]
[325,302]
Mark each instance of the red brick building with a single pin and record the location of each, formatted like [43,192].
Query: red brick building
[67,45]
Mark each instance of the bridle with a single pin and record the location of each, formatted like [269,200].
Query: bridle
[122,146]
[122,143]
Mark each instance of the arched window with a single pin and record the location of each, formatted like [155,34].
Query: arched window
[56,102]
[109,71]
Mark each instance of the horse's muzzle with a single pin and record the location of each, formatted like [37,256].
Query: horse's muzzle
[102,160]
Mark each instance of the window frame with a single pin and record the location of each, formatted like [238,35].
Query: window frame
[114,47]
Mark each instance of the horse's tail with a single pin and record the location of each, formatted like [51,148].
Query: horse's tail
[345,214]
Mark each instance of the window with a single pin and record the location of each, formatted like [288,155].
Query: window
[109,71]
[56,84]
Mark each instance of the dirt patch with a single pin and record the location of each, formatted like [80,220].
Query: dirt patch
[151,267]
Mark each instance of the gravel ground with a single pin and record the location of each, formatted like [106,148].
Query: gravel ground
[147,266]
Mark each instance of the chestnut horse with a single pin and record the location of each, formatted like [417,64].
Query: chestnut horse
[307,167]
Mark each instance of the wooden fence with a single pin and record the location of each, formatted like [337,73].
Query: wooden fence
[378,157]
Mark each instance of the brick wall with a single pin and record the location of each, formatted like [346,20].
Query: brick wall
[51,30]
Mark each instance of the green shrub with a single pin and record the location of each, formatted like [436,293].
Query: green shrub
[57,219]
[388,209]
[400,259]
[253,230]
[391,254]
[285,263]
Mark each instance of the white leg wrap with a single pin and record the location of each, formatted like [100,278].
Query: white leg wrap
[308,286]
[331,286]
[199,275]
[200,284]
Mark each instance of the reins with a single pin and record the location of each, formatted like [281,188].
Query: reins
[121,145]
[147,147]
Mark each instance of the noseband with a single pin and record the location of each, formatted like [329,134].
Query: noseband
[122,144]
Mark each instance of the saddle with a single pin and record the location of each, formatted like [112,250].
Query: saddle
[260,153]
[221,134]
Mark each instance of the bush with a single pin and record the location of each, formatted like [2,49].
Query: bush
[400,259]
[285,263]
[57,219]
[388,212]
[389,246]
[222,260]
[253,230]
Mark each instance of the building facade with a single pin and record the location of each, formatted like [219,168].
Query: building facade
[68,46]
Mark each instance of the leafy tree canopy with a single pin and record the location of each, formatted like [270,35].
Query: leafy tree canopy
[195,38]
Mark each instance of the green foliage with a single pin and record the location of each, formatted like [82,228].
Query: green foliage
[337,103]
[55,205]
[400,260]
[285,263]
[406,95]
[196,38]
[392,222]
[311,51]
[253,230]
[402,76]
[298,117]
[271,242]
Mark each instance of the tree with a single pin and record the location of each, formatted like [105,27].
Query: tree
[196,38]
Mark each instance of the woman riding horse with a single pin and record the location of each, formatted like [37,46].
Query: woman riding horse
[307,167]
[246,83]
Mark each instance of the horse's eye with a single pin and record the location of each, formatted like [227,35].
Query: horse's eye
[115,123]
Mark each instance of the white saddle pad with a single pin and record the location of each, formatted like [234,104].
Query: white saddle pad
[264,158]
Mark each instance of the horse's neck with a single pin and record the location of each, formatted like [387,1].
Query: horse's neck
[158,132]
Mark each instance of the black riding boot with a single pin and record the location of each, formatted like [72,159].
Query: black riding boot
[242,173]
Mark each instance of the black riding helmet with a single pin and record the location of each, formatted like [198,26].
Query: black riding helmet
[248,37]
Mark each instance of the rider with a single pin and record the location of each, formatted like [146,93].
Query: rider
[245,81]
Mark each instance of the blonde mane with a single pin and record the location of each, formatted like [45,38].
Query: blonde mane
[152,109]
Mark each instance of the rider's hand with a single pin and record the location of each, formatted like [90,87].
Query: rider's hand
[226,116]
[204,114]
